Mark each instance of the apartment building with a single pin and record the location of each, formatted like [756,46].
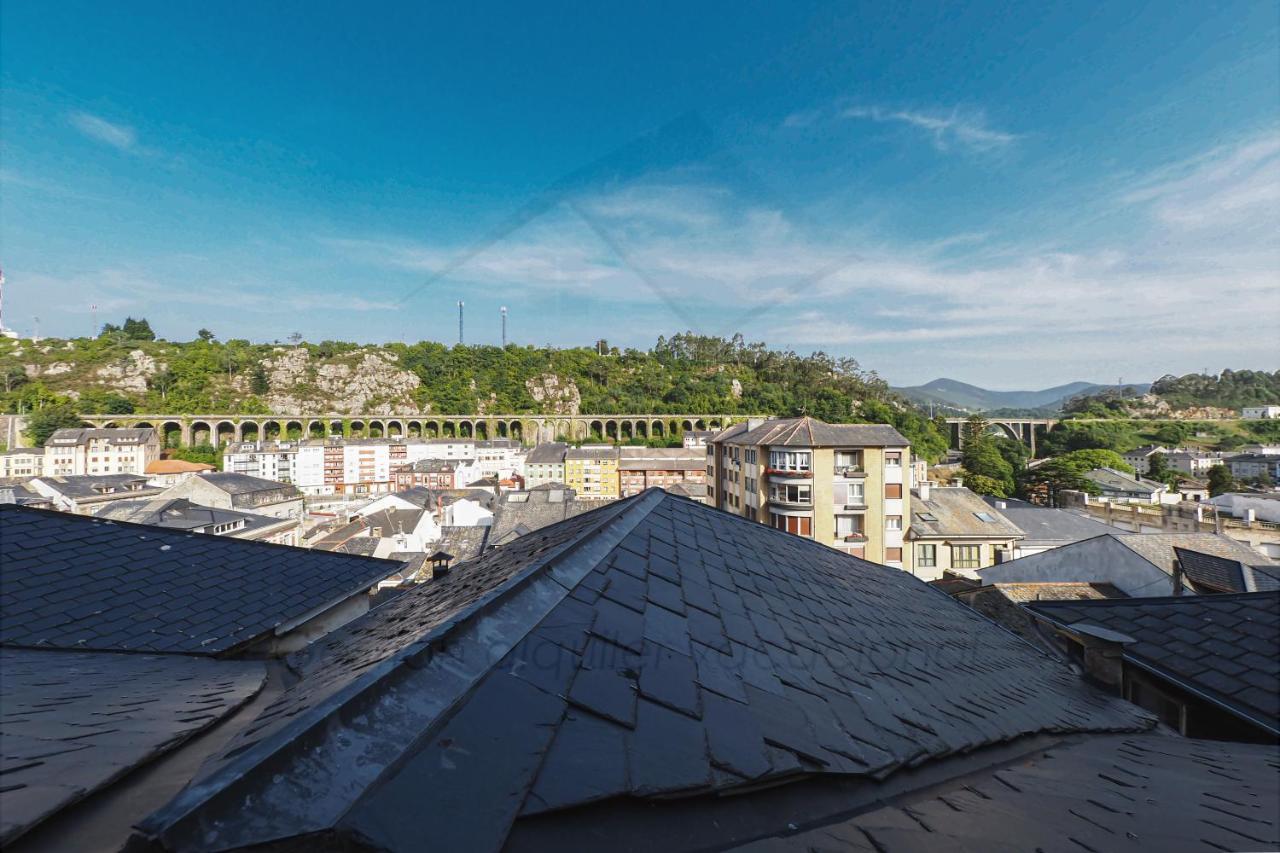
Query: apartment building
[74,452]
[22,462]
[592,471]
[640,468]
[844,485]
[270,460]
[545,464]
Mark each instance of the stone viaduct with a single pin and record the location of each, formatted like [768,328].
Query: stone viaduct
[186,430]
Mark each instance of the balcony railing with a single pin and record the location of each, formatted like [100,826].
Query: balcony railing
[784,472]
[852,537]
[850,471]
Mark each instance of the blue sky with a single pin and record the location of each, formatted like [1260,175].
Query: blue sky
[1006,194]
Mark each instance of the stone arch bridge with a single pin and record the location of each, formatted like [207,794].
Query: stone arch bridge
[187,430]
[1026,430]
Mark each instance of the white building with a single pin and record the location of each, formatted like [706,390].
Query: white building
[270,460]
[22,462]
[1140,457]
[72,452]
[1260,413]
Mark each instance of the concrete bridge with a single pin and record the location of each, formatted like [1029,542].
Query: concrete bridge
[1019,429]
[186,430]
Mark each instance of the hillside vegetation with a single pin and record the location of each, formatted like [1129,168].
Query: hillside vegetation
[126,370]
[1194,396]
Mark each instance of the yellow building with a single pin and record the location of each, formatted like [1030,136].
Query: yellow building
[952,528]
[592,471]
[846,485]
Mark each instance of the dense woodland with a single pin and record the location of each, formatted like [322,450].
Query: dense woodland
[1230,389]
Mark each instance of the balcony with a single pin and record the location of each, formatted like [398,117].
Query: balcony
[786,474]
[852,537]
[783,503]
[850,471]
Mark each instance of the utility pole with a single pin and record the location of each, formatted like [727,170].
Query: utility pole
[504,327]
[93,315]
[461,339]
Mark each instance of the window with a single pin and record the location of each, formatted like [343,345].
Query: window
[751,456]
[893,459]
[926,516]
[927,556]
[791,494]
[966,556]
[848,459]
[893,555]
[801,525]
[985,516]
[848,525]
[849,494]
[893,522]
[789,460]
[893,491]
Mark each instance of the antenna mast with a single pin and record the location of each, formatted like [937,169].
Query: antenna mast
[460,337]
[504,327]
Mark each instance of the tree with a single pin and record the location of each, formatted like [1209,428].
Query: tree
[1158,467]
[162,381]
[1220,480]
[1045,482]
[46,421]
[295,338]
[205,335]
[137,330]
[258,382]
[986,486]
[986,470]
[14,377]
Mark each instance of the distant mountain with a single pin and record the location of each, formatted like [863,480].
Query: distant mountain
[961,396]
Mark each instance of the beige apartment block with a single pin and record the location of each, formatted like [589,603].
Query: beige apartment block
[847,486]
[78,452]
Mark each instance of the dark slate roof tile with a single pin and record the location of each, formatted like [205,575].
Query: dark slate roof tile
[625,590]
[669,677]
[734,737]
[666,628]
[569,624]
[587,761]
[708,630]
[717,672]
[666,594]
[667,752]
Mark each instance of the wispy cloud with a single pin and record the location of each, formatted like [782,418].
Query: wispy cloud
[1189,244]
[954,127]
[119,136]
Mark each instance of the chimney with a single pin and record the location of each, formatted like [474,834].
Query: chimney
[753,423]
[1002,504]
[925,489]
[958,482]
[1103,652]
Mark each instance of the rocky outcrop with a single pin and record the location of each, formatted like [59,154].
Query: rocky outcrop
[555,395]
[129,374]
[363,382]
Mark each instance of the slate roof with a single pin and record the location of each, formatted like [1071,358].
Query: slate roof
[652,648]
[78,487]
[1108,479]
[811,432]
[80,583]
[1222,646]
[74,721]
[547,453]
[1044,525]
[1115,792]
[1219,574]
[182,514]
[464,543]
[1159,548]
[1141,564]
[955,511]
[589,453]
[243,484]
[388,521]
[519,513]
[69,437]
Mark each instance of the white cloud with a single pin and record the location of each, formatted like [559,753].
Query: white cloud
[1193,270]
[119,136]
[968,130]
